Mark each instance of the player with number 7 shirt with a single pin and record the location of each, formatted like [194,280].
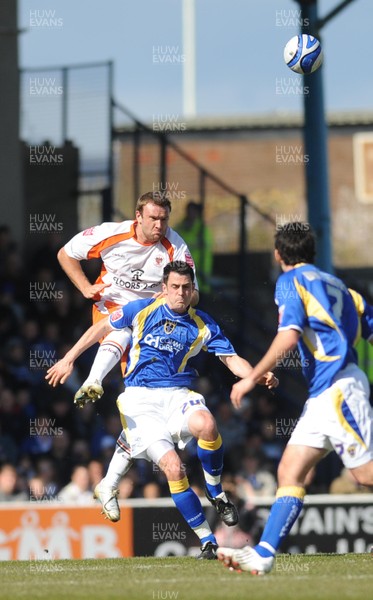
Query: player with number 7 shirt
[320,315]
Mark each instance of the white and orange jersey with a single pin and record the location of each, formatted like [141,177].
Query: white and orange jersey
[134,270]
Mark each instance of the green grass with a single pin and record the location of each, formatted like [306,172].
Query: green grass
[297,577]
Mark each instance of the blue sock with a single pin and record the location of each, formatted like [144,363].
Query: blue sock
[284,512]
[187,502]
[211,455]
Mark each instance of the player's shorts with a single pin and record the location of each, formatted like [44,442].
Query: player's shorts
[102,309]
[157,418]
[340,418]
[121,338]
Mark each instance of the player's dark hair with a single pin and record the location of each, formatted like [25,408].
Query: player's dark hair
[295,242]
[180,267]
[158,198]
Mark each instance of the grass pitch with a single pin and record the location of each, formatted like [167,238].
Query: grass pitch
[296,577]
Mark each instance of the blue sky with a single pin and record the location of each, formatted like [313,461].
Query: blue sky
[239,51]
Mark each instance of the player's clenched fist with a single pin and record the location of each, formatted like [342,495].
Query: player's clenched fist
[240,389]
[269,380]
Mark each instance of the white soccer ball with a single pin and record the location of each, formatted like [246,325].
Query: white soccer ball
[303,54]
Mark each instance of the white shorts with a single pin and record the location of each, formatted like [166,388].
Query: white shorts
[157,417]
[340,418]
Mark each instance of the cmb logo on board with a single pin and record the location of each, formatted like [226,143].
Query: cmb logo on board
[31,534]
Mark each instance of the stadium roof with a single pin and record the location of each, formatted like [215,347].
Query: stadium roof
[266,121]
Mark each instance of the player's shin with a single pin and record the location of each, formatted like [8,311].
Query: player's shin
[120,463]
[284,513]
[108,354]
[211,455]
[189,505]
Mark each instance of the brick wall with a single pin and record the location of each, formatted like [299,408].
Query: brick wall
[268,166]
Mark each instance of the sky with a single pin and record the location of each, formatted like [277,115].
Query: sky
[239,46]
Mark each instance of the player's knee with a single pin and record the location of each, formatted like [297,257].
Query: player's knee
[281,473]
[202,425]
[364,475]
[286,474]
[171,466]
[365,480]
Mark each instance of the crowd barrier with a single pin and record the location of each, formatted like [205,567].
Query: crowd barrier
[52,530]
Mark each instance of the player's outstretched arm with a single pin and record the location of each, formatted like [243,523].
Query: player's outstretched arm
[75,273]
[238,365]
[242,368]
[60,371]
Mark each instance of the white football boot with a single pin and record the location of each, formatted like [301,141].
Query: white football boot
[109,502]
[89,392]
[245,559]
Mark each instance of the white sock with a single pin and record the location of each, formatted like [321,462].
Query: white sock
[222,496]
[109,353]
[211,479]
[202,530]
[119,464]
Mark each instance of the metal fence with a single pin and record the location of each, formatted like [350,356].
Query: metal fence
[73,103]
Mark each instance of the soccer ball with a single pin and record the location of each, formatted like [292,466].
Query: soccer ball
[303,54]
